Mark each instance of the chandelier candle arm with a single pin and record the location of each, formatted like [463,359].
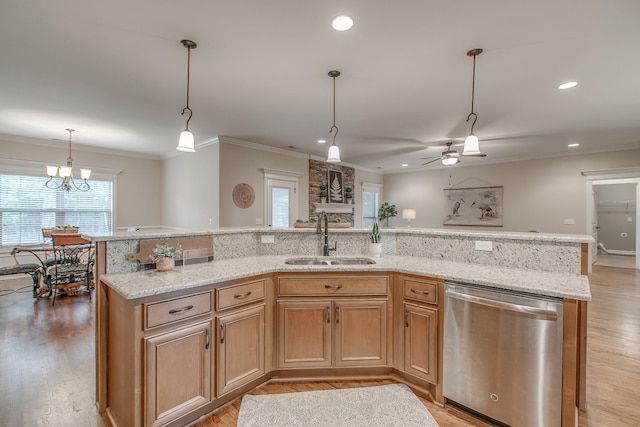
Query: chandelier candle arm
[186,140]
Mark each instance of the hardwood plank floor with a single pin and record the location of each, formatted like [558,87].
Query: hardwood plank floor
[47,361]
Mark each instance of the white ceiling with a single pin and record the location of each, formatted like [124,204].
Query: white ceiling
[116,72]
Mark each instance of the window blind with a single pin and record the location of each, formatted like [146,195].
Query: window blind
[27,206]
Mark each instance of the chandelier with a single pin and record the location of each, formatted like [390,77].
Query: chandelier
[65,173]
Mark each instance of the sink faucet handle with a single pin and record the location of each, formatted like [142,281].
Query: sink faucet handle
[335,247]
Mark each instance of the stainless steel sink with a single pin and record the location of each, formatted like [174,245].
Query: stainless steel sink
[329,261]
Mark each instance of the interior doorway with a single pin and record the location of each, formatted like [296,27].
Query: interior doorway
[630,178]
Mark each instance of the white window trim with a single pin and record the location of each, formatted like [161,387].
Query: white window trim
[369,187]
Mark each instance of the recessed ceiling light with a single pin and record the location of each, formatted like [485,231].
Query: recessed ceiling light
[404,165]
[342,23]
[567,85]
[575,144]
[322,141]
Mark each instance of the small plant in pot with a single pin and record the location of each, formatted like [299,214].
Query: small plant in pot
[375,247]
[387,211]
[323,193]
[164,255]
[348,194]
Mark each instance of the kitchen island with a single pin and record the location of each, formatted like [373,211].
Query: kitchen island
[237,317]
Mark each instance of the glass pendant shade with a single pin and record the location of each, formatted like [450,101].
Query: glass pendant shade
[185,143]
[450,160]
[471,146]
[85,173]
[65,171]
[52,171]
[334,154]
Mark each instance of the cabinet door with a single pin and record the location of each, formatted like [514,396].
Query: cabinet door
[177,373]
[304,334]
[241,350]
[360,333]
[421,341]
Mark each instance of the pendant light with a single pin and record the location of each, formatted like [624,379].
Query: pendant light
[334,152]
[471,145]
[186,143]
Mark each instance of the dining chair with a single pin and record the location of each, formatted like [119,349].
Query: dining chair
[72,271]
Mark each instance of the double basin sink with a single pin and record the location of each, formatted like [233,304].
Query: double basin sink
[329,261]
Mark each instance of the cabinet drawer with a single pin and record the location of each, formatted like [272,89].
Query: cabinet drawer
[333,286]
[161,313]
[421,290]
[243,293]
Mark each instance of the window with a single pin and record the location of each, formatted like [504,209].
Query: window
[370,203]
[280,207]
[27,206]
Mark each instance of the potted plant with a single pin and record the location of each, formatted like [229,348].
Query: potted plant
[387,211]
[348,194]
[375,247]
[323,193]
[164,255]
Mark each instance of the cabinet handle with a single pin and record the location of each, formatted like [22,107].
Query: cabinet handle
[208,337]
[180,310]
[337,314]
[333,287]
[240,296]
[420,292]
[328,314]
[406,318]
[221,333]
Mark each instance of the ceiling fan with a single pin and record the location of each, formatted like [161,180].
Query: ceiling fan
[450,156]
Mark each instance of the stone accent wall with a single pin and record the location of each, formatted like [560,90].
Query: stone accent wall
[319,174]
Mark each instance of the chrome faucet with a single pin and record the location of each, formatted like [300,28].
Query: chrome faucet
[325,248]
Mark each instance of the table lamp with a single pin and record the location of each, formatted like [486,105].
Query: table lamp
[409,214]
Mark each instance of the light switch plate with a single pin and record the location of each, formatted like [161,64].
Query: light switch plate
[569,221]
[268,239]
[484,245]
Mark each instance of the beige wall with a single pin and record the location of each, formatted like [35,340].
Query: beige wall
[538,194]
[243,164]
[191,188]
[139,187]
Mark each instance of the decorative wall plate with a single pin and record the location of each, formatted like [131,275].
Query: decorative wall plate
[243,195]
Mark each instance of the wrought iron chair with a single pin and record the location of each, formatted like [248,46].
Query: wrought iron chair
[72,270]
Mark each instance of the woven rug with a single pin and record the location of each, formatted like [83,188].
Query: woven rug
[380,406]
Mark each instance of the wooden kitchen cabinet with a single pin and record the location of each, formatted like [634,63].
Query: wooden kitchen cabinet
[327,326]
[177,372]
[240,348]
[421,341]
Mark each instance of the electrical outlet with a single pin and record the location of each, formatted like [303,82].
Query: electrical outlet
[623,235]
[268,239]
[629,219]
[569,221]
[484,245]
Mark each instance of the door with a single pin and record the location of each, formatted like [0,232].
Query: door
[281,203]
[241,351]
[177,373]
[304,334]
[360,333]
[421,341]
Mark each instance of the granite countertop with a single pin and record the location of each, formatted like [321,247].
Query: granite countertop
[151,282]
[159,232]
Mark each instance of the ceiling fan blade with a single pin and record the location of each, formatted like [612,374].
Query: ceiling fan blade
[475,155]
[431,161]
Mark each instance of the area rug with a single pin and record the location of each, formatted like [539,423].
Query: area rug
[380,406]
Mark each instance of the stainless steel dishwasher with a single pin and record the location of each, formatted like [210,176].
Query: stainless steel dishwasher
[503,354]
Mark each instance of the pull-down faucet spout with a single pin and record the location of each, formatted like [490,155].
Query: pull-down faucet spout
[325,247]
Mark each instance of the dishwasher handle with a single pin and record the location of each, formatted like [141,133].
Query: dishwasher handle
[540,312]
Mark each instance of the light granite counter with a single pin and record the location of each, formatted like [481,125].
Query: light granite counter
[150,282]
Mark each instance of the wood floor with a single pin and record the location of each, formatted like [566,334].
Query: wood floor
[47,361]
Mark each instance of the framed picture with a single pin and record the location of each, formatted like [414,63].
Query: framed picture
[336,190]
[473,206]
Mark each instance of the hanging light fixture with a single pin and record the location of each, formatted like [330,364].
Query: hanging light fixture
[334,152]
[185,143]
[471,144]
[66,174]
